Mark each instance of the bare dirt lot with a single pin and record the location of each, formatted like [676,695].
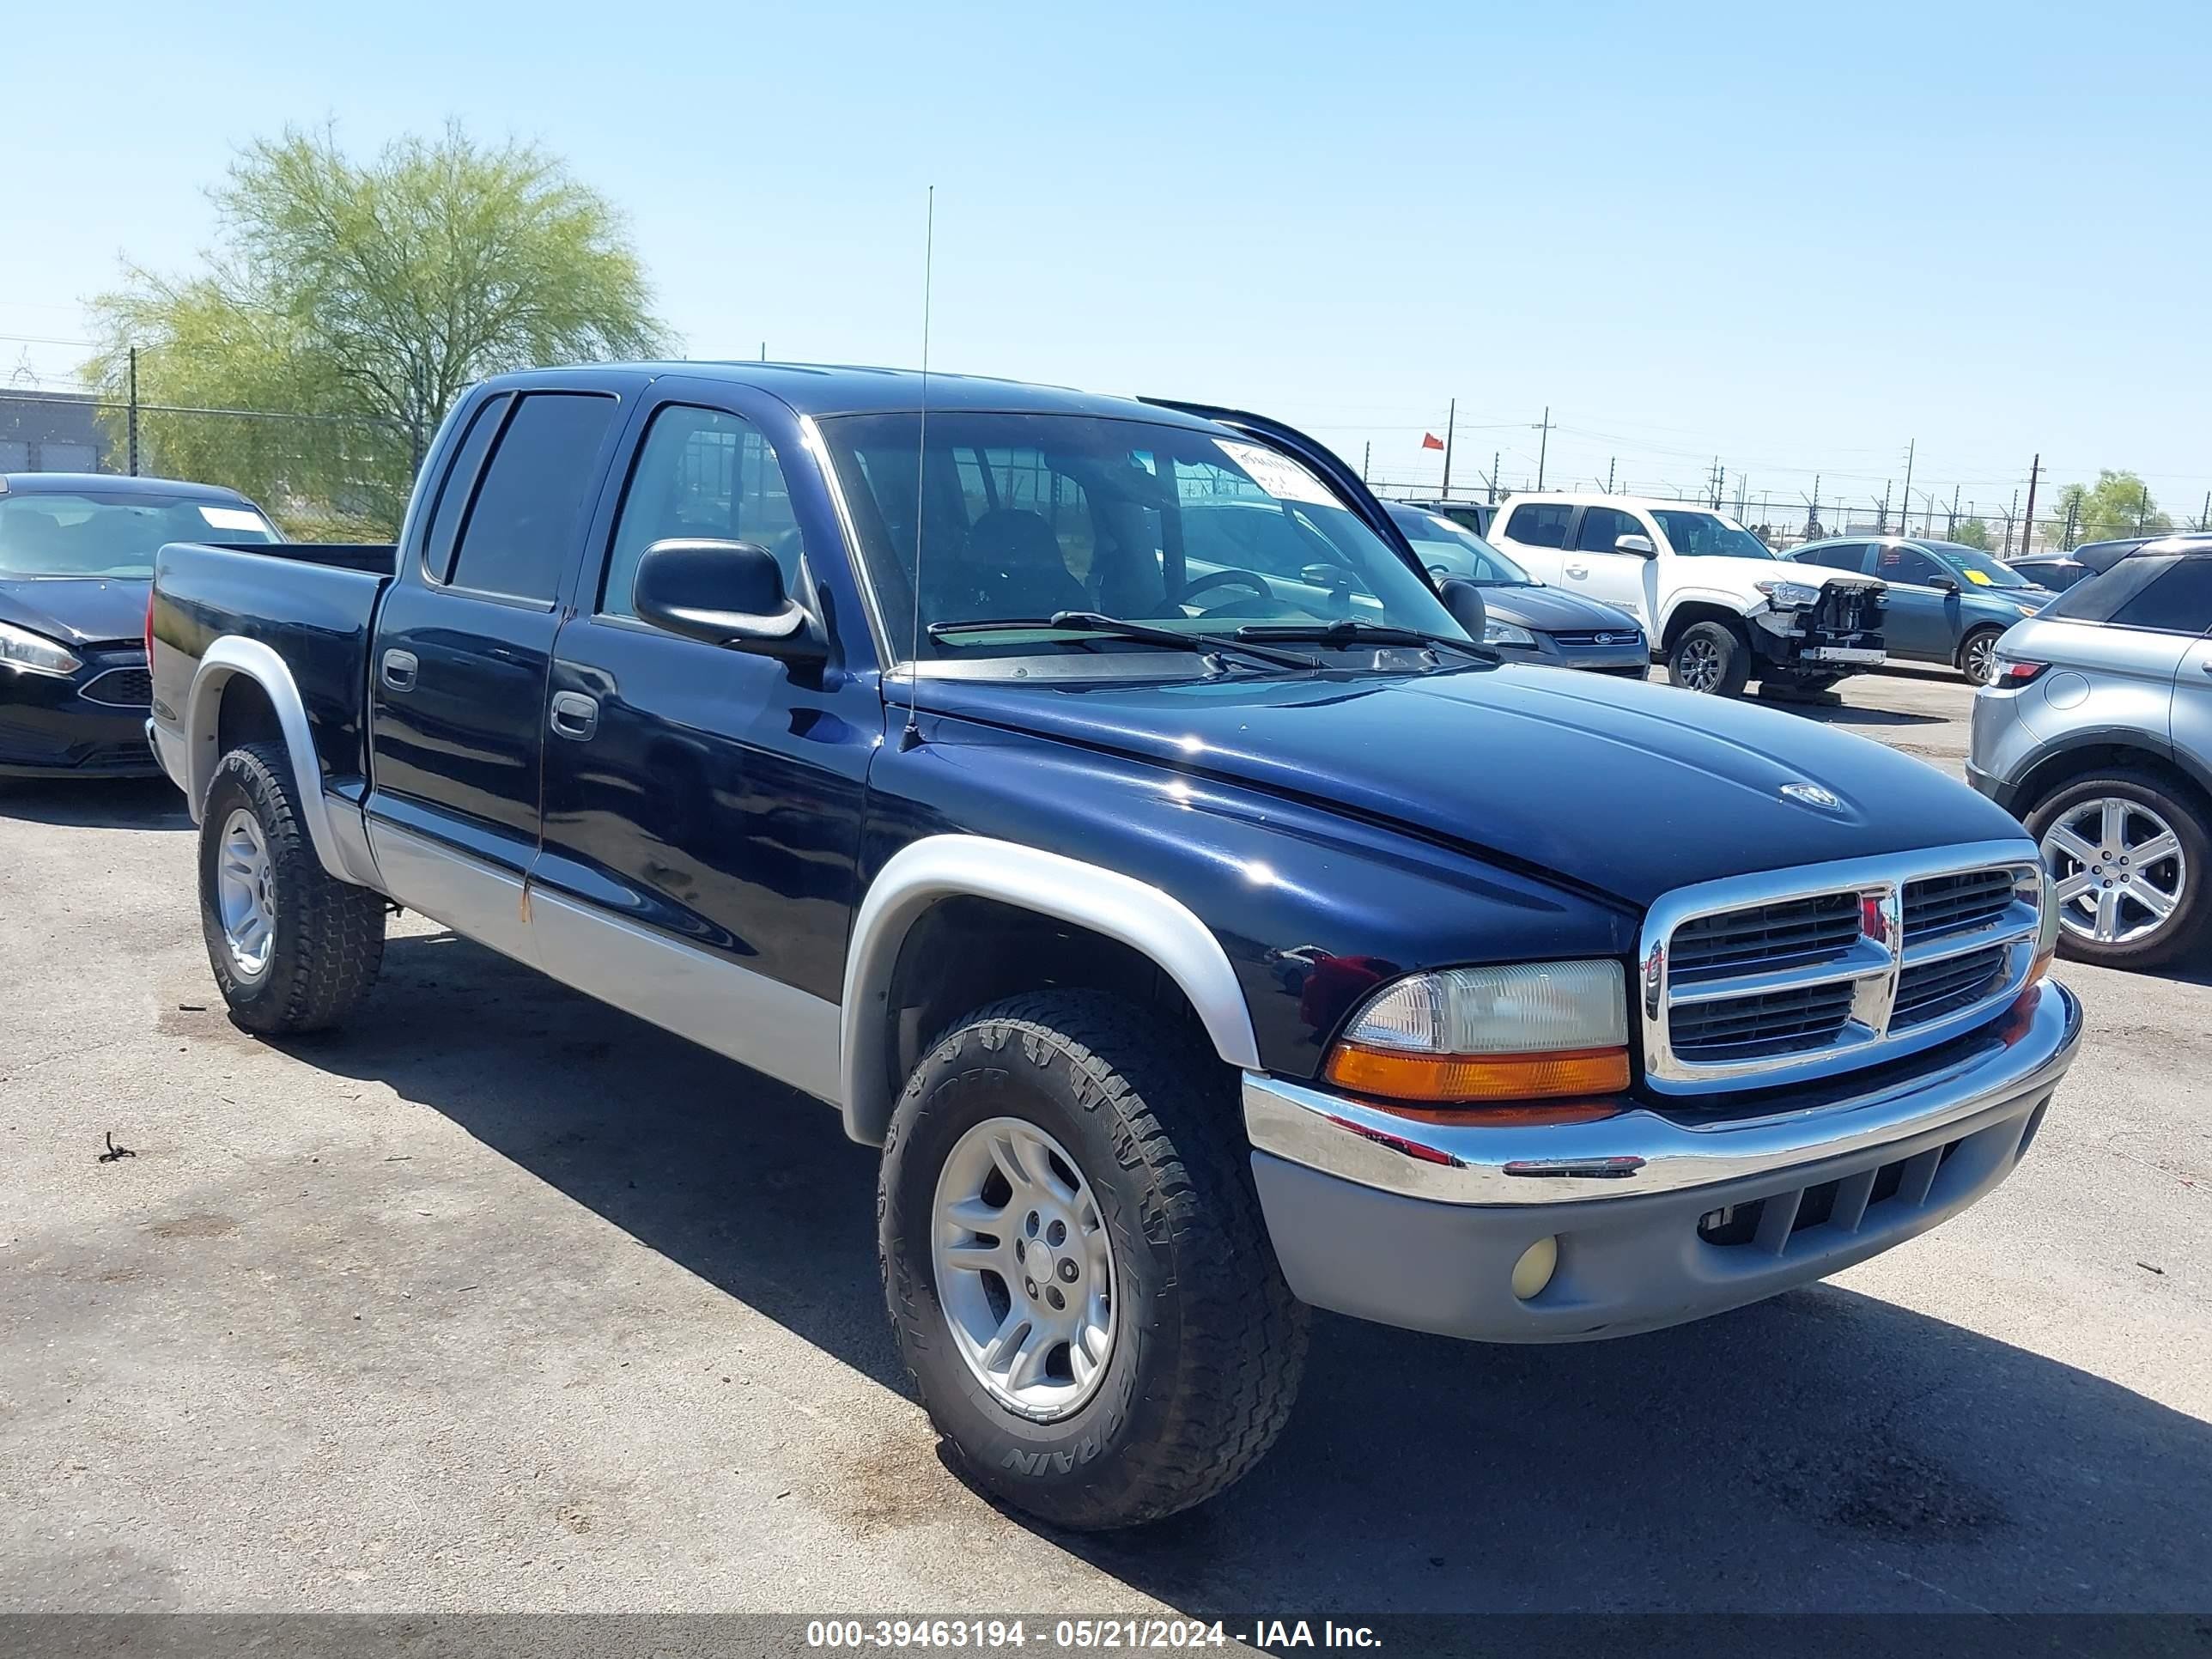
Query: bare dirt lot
[500,1300]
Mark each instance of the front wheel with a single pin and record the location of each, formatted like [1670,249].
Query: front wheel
[1079,1280]
[293,948]
[1709,657]
[2128,860]
[1978,655]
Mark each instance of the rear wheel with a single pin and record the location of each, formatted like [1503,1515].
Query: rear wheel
[1079,1280]
[1978,655]
[293,948]
[2128,860]
[1711,657]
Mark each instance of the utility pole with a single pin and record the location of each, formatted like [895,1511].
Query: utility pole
[2027,525]
[2012,513]
[1882,525]
[1543,444]
[763,350]
[2204,518]
[2073,513]
[1951,524]
[1451,420]
[1366,456]
[1608,474]
[1905,501]
[131,424]
[1490,483]
[2142,506]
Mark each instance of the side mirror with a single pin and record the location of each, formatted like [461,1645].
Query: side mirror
[1944,585]
[726,593]
[1464,598]
[1333,577]
[1639,545]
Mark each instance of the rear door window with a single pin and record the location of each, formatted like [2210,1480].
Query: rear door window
[528,514]
[1540,524]
[460,483]
[2178,601]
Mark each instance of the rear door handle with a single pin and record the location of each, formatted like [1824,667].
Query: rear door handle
[574,715]
[399,671]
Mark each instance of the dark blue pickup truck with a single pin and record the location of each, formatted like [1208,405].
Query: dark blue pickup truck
[1199,945]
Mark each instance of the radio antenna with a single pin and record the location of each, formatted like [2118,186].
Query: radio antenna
[912,735]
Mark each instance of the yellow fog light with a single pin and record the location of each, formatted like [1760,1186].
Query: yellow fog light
[1535,1267]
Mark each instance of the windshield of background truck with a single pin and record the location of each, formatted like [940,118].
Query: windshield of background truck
[1708,535]
[1027,515]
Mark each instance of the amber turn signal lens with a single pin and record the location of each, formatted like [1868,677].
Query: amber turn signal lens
[1456,1080]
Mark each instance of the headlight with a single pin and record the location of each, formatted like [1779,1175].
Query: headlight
[1790,596]
[34,653]
[1505,632]
[1530,1032]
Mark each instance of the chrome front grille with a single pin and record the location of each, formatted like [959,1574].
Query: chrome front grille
[1760,980]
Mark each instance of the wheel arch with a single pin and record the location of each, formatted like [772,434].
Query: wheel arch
[219,709]
[1687,612]
[2093,752]
[1144,926]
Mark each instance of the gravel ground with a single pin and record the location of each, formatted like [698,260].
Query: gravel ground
[502,1301]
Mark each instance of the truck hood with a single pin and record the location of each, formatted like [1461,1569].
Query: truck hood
[1742,572]
[76,609]
[1627,789]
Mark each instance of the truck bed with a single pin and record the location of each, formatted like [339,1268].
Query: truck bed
[312,603]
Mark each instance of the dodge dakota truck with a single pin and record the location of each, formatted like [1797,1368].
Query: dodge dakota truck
[1199,948]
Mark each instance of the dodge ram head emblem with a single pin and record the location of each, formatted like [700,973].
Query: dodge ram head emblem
[1813,795]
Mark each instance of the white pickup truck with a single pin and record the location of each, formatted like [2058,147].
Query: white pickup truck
[1719,608]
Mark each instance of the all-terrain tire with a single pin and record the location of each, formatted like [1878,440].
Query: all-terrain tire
[329,935]
[1709,657]
[1208,1343]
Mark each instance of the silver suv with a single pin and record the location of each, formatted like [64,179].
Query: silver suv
[2096,732]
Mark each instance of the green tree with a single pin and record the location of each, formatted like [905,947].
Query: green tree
[356,300]
[2116,504]
[1972,533]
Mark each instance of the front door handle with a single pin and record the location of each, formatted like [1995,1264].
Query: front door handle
[574,715]
[399,671]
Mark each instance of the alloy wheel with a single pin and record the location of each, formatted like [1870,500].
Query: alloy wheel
[1025,1269]
[1981,664]
[2116,868]
[245,895]
[1698,665]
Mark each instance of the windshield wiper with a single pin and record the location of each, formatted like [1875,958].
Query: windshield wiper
[1357,631]
[1093,622]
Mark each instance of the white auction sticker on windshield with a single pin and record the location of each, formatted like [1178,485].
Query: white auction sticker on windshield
[232,518]
[1279,474]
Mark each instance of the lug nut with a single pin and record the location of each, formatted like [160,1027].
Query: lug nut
[1029,1285]
[1056,1235]
[1058,1301]
[1067,1268]
[1031,1225]
[1020,1251]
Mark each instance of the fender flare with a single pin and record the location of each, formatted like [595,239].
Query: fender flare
[1105,901]
[230,657]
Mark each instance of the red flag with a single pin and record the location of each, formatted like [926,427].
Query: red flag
[1430,440]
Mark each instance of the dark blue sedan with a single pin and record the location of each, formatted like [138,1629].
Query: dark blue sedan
[1949,603]
[76,558]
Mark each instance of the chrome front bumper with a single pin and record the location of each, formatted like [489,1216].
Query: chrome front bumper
[1652,1221]
[1640,1151]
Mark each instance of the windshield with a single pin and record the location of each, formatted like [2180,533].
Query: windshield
[1977,567]
[1447,548]
[97,533]
[1708,535]
[1025,516]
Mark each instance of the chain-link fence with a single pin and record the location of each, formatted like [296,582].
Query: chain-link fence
[321,476]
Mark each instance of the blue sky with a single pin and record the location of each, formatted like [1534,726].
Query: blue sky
[1789,236]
